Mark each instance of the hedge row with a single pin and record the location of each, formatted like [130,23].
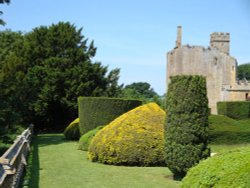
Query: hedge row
[97,111]
[234,109]
[87,137]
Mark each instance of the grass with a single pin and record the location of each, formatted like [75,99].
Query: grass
[224,130]
[56,163]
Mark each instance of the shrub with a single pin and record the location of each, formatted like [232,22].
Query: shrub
[72,131]
[135,139]
[234,109]
[225,130]
[96,111]
[186,126]
[230,169]
[87,137]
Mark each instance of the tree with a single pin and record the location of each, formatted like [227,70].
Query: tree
[243,71]
[3,1]
[142,88]
[186,128]
[53,67]
[144,92]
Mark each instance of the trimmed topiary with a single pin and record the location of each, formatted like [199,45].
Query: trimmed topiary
[186,126]
[87,137]
[231,169]
[135,139]
[96,111]
[234,109]
[72,131]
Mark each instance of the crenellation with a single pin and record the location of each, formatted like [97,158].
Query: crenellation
[213,62]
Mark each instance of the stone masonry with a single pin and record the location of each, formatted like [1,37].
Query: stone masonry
[215,63]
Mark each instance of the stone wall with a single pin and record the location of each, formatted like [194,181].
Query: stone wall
[214,63]
[217,67]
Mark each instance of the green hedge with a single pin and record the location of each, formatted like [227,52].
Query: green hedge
[96,111]
[72,131]
[230,169]
[87,137]
[234,109]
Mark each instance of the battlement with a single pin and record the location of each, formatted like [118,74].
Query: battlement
[220,37]
[220,41]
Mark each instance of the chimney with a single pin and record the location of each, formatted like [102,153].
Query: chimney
[179,35]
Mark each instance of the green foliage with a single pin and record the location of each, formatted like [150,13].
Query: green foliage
[3,148]
[96,111]
[186,126]
[134,138]
[87,137]
[142,88]
[230,169]
[9,41]
[142,91]
[243,71]
[72,131]
[7,136]
[3,1]
[44,71]
[224,130]
[234,109]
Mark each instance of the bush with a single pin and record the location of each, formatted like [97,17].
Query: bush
[231,169]
[3,148]
[72,131]
[87,137]
[235,109]
[186,127]
[135,139]
[225,130]
[96,111]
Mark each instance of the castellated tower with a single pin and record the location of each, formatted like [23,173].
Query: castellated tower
[214,63]
[221,41]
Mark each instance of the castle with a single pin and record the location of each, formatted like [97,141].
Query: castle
[215,63]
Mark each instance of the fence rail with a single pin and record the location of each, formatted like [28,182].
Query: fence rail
[13,161]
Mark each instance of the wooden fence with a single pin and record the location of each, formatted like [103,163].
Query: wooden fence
[13,161]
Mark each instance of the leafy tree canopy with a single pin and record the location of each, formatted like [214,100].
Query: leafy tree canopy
[142,91]
[44,71]
[244,71]
[142,88]
[3,1]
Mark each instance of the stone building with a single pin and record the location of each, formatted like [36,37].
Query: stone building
[215,63]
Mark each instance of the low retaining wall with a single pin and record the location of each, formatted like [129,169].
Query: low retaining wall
[13,161]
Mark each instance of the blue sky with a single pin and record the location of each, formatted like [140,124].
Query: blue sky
[135,35]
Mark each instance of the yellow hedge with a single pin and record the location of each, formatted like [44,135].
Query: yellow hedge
[72,131]
[134,138]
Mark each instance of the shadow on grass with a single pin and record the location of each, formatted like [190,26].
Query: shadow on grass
[31,178]
[50,139]
[229,137]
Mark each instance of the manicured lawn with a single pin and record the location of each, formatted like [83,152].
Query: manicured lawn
[58,164]
[224,148]
[224,130]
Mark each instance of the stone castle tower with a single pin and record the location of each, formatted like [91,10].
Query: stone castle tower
[214,62]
